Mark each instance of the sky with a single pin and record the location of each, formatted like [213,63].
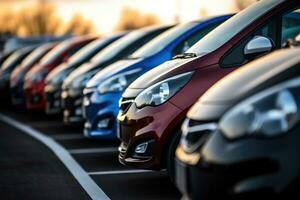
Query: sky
[105,13]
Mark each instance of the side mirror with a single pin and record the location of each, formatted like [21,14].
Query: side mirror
[259,45]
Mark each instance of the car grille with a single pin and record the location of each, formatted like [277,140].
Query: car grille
[122,150]
[125,103]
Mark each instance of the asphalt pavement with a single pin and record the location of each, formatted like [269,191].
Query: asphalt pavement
[30,169]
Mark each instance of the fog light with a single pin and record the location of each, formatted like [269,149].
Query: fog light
[141,148]
[78,102]
[78,111]
[56,103]
[104,123]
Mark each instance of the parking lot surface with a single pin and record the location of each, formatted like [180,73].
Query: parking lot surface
[30,169]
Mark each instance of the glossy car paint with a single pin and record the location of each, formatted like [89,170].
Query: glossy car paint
[12,62]
[72,96]
[162,123]
[106,106]
[18,75]
[55,78]
[222,164]
[34,84]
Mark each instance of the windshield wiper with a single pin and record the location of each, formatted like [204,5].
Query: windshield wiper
[185,56]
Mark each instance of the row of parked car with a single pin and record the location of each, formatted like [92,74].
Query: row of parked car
[143,86]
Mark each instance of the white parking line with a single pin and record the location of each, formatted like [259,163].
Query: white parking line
[68,136]
[93,150]
[86,182]
[138,171]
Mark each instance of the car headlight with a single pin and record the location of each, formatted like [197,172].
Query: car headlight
[119,82]
[269,113]
[160,92]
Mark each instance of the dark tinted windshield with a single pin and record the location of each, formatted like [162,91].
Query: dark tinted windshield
[116,47]
[15,58]
[36,55]
[233,26]
[162,41]
[56,52]
[87,51]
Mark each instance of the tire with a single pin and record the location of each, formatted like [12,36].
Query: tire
[170,155]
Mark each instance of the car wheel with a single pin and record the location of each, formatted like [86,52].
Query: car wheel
[170,155]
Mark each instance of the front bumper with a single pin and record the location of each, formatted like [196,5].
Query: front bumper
[238,169]
[151,125]
[34,95]
[17,94]
[53,99]
[72,107]
[100,112]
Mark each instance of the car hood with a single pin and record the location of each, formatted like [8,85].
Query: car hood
[84,68]
[246,81]
[56,72]
[158,73]
[111,70]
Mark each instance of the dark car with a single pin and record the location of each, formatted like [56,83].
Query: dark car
[241,139]
[18,74]
[8,66]
[73,86]
[34,83]
[154,106]
[55,78]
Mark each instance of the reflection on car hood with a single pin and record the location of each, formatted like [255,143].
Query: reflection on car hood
[56,71]
[157,73]
[84,68]
[111,70]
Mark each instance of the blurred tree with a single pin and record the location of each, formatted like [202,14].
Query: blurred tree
[132,19]
[41,19]
[242,4]
[8,22]
[79,25]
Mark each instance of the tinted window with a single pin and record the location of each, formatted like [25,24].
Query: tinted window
[161,41]
[36,55]
[233,26]
[130,42]
[191,40]
[56,52]
[87,51]
[290,26]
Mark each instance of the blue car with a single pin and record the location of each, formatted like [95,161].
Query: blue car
[103,91]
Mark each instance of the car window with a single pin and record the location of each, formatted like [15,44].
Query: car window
[161,41]
[225,32]
[290,26]
[56,52]
[194,38]
[36,55]
[235,57]
[284,25]
[88,51]
[127,44]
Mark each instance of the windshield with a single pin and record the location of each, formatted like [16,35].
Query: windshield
[162,41]
[11,60]
[116,47]
[36,55]
[233,26]
[56,52]
[87,51]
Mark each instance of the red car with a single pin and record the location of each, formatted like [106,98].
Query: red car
[154,106]
[34,83]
